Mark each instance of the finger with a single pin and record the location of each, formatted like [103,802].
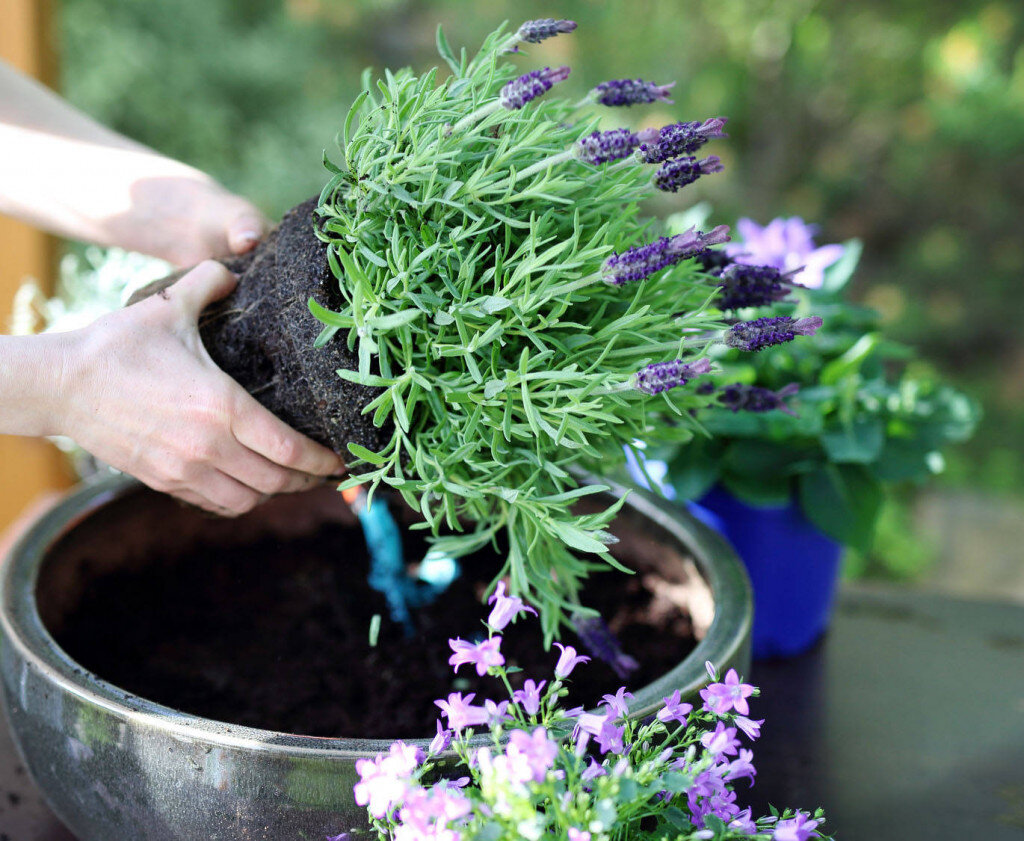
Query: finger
[262,475]
[245,231]
[227,494]
[256,428]
[206,283]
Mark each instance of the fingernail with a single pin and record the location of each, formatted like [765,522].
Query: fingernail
[247,239]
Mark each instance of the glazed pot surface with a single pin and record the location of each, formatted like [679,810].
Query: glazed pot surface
[116,767]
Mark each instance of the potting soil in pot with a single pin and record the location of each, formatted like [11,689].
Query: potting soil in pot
[275,635]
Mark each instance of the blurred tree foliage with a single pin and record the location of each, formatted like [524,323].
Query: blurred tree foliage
[900,122]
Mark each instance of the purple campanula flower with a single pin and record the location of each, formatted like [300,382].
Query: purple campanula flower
[618,702]
[441,742]
[744,822]
[578,834]
[749,726]
[482,655]
[755,398]
[460,713]
[531,755]
[710,668]
[722,741]
[427,813]
[506,608]
[497,713]
[602,147]
[730,694]
[601,642]
[529,696]
[642,261]
[678,139]
[594,770]
[674,710]
[529,86]
[751,286]
[786,244]
[661,376]
[604,729]
[675,174]
[798,828]
[568,660]
[742,766]
[535,31]
[617,92]
[343,837]
[762,333]
[383,780]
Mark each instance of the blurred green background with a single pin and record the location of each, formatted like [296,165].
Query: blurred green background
[900,122]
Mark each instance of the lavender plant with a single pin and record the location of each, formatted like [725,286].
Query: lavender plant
[502,291]
[540,771]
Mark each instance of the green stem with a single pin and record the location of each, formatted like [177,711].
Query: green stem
[544,163]
[476,116]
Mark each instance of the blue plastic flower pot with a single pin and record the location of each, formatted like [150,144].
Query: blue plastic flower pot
[793,569]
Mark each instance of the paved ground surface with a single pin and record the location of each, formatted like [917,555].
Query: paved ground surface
[980,540]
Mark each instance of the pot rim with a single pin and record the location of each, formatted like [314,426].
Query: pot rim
[22,627]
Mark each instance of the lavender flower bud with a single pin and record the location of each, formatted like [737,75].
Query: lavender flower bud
[535,31]
[678,139]
[751,286]
[602,147]
[676,174]
[518,92]
[762,333]
[641,261]
[661,376]
[754,398]
[631,92]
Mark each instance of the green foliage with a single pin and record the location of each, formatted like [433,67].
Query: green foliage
[470,272]
[865,416]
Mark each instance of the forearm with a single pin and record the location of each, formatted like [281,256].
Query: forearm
[63,172]
[32,383]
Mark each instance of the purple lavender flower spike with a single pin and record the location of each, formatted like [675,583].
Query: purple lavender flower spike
[529,86]
[714,261]
[675,174]
[678,139]
[617,92]
[787,244]
[751,286]
[762,333]
[602,643]
[661,376]
[642,261]
[535,31]
[755,398]
[602,147]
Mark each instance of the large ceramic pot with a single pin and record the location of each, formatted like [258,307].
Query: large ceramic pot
[116,767]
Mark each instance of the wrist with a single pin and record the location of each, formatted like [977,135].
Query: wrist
[34,383]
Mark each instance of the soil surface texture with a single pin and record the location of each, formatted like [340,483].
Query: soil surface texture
[275,635]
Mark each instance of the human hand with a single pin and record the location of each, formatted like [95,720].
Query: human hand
[141,393]
[186,218]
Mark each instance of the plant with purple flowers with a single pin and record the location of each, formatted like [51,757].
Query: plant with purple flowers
[541,771]
[514,318]
[827,421]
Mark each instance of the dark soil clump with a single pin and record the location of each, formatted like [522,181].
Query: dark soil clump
[275,635]
[262,336]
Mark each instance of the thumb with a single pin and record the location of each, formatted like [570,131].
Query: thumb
[245,231]
[206,283]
